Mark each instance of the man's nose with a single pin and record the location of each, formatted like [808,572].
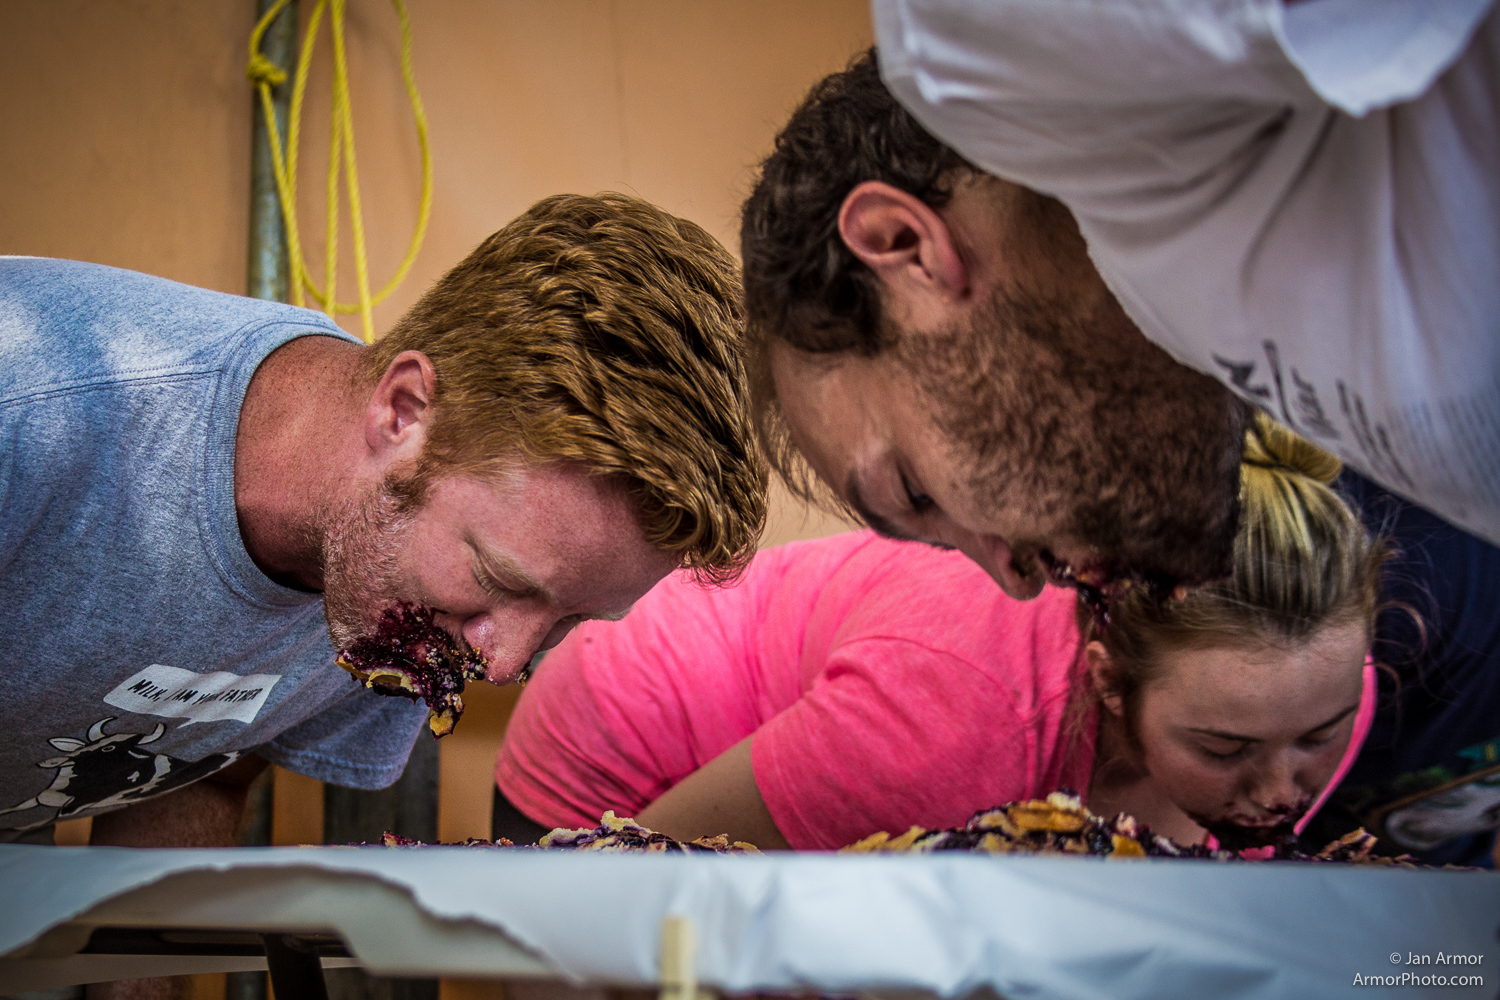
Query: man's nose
[994,556]
[507,645]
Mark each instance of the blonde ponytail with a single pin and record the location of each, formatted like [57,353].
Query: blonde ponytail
[1302,561]
[1270,445]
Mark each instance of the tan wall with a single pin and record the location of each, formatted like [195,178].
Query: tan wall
[126,124]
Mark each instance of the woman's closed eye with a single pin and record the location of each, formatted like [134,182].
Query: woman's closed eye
[1318,738]
[1327,731]
[1223,752]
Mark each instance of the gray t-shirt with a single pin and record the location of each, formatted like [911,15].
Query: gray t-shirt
[142,648]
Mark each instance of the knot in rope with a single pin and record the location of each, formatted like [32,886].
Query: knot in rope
[263,70]
[265,74]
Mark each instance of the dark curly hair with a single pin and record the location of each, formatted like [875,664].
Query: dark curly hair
[802,284]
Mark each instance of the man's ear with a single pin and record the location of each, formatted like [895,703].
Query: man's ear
[1105,678]
[903,240]
[400,410]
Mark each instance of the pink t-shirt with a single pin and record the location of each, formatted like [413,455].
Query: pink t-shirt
[887,684]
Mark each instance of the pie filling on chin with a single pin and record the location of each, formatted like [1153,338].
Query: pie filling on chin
[409,655]
[1059,824]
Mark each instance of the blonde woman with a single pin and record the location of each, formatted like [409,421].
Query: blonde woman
[1230,710]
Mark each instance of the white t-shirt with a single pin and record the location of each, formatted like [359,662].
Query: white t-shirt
[1301,201]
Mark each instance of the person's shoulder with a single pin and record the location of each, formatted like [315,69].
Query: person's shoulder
[68,324]
[1368,56]
[884,571]
[810,556]
[783,581]
[940,598]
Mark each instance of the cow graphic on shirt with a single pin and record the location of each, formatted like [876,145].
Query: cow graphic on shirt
[104,772]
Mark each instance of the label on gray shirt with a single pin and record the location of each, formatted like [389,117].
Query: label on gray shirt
[182,694]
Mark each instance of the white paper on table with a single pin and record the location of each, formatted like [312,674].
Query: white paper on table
[948,924]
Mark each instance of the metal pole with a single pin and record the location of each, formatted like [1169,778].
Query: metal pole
[407,808]
[267,272]
[410,807]
[266,278]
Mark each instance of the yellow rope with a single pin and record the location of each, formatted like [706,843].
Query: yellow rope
[265,75]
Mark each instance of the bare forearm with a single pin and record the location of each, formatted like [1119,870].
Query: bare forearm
[204,814]
[719,797]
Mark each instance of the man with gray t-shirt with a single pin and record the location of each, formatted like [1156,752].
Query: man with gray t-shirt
[197,490]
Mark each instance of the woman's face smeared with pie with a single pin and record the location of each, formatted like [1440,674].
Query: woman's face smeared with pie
[1243,739]
[506,566]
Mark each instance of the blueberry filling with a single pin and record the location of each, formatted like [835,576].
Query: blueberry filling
[1101,586]
[409,655]
[614,834]
[1059,824]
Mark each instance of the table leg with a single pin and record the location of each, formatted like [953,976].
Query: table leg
[296,971]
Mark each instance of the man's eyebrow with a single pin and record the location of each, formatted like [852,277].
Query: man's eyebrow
[505,570]
[878,524]
[1220,734]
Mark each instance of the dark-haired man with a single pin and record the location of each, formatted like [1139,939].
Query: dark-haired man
[1298,197]
[198,489]
[936,343]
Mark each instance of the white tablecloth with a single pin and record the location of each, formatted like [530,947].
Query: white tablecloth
[947,924]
